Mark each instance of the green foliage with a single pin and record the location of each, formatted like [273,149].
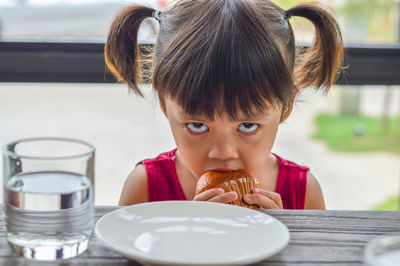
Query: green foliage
[366,7]
[286,4]
[345,133]
[350,7]
[379,17]
[390,204]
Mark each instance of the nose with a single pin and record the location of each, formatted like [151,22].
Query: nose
[223,148]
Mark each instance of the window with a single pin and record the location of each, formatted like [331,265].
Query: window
[62,41]
[68,20]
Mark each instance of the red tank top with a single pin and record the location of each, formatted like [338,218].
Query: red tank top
[163,182]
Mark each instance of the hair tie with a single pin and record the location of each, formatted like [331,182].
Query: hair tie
[156,14]
[287,14]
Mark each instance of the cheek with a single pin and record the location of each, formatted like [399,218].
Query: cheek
[192,151]
[255,154]
[194,157]
[256,151]
[186,142]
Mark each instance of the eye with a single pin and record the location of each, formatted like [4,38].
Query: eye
[248,127]
[197,128]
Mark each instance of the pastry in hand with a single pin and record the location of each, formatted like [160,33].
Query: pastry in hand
[239,181]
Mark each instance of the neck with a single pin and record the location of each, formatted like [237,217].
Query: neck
[186,178]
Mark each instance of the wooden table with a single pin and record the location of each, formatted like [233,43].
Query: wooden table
[317,238]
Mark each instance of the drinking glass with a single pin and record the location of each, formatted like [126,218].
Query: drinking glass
[383,251]
[48,196]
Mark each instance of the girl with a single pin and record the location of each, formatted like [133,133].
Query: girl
[225,75]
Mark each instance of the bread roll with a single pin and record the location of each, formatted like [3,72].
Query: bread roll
[239,181]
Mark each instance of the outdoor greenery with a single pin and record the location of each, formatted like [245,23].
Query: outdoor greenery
[356,133]
[377,18]
[391,204]
[285,4]
[366,7]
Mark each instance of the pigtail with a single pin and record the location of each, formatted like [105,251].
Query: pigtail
[122,50]
[319,64]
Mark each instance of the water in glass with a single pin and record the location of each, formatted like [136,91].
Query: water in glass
[48,197]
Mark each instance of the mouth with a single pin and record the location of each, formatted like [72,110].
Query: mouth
[223,170]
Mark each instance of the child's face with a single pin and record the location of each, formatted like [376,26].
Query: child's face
[223,144]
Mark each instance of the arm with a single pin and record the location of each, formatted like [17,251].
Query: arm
[314,197]
[135,187]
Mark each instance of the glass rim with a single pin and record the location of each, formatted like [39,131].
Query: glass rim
[380,241]
[6,147]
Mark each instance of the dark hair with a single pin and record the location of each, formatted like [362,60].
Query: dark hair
[226,56]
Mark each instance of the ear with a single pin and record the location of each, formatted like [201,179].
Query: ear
[287,110]
[161,100]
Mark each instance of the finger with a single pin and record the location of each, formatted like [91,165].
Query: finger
[225,197]
[208,194]
[261,200]
[272,195]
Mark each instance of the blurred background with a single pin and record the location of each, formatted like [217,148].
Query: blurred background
[350,138]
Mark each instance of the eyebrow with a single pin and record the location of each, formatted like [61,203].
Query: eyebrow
[185,116]
[257,117]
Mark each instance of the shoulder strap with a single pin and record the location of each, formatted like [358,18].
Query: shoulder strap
[292,184]
[162,180]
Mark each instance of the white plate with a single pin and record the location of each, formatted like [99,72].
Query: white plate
[192,233]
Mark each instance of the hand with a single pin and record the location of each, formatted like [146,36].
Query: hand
[264,199]
[216,195]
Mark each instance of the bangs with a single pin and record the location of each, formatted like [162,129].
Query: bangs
[221,64]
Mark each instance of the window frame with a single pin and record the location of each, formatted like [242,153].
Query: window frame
[84,63]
